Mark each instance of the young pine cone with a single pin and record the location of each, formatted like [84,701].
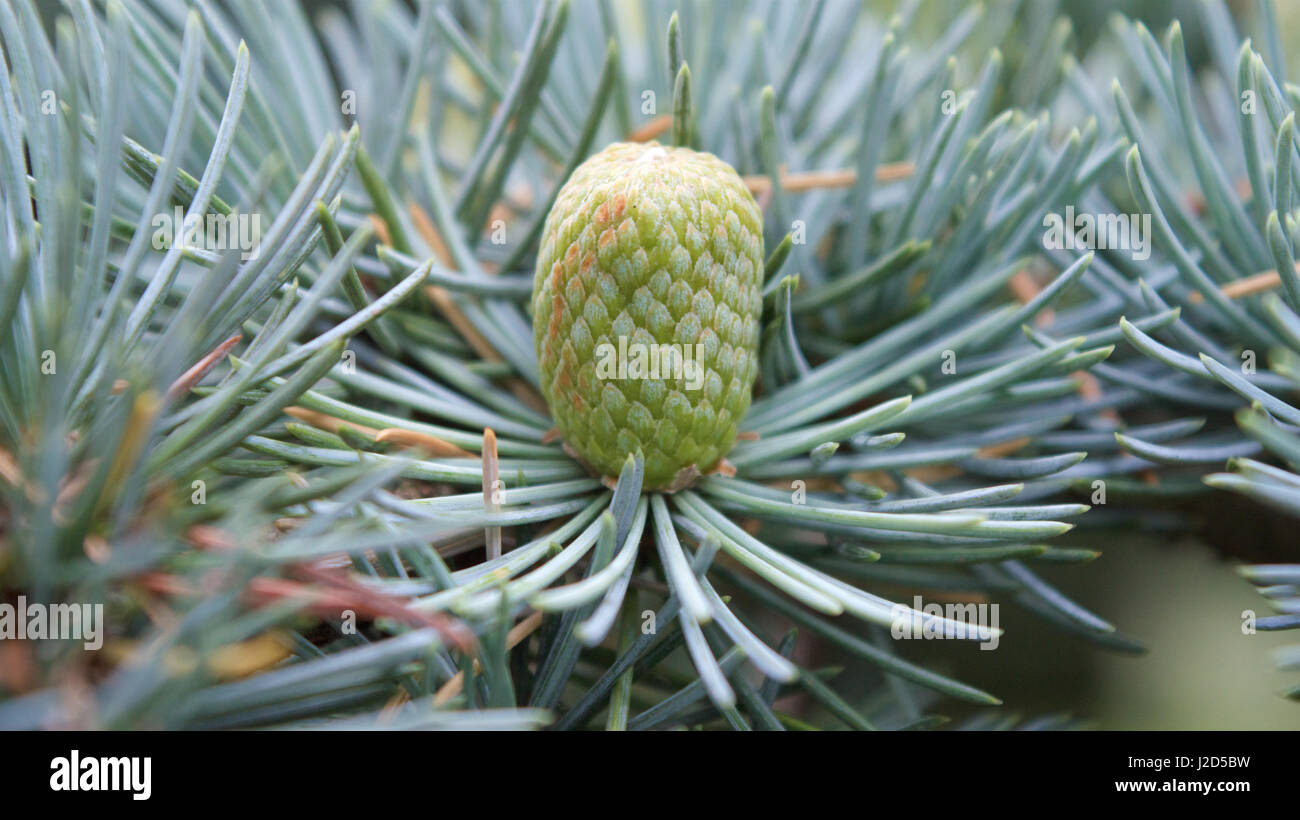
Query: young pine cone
[646,305]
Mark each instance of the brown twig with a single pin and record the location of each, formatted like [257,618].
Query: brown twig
[811,180]
[393,435]
[332,592]
[429,443]
[1257,283]
[491,477]
[379,603]
[652,129]
[324,421]
[200,368]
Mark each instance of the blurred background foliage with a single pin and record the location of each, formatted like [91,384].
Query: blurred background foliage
[1200,671]
[1191,620]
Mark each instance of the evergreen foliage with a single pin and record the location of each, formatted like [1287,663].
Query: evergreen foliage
[313,481]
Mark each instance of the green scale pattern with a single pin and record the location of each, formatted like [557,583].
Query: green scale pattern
[660,246]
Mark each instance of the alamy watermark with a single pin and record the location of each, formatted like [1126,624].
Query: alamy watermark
[1098,232]
[929,621]
[25,621]
[208,232]
[75,773]
[636,360]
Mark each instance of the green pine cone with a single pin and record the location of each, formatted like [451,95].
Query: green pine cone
[646,305]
